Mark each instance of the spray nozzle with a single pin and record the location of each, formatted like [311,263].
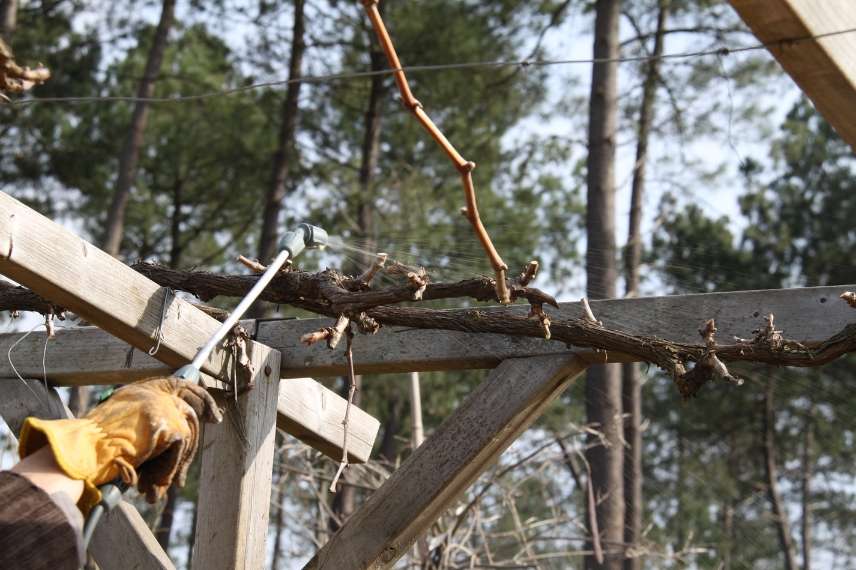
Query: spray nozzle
[305,236]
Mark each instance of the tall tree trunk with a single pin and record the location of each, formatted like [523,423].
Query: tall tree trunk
[285,157]
[807,474]
[130,153]
[370,151]
[727,533]
[729,506]
[603,384]
[392,425]
[176,248]
[191,539]
[167,517]
[780,516]
[8,19]
[279,516]
[680,483]
[344,502]
[631,385]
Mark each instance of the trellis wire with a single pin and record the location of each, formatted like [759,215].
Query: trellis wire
[719,52]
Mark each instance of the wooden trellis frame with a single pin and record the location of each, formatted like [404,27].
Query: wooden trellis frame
[527,373]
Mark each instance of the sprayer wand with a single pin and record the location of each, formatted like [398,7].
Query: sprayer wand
[306,236]
[293,243]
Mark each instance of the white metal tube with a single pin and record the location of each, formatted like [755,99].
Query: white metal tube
[239,311]
[416,411]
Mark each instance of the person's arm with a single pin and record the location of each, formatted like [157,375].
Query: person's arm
[145,434]
[41,469]
[40,524]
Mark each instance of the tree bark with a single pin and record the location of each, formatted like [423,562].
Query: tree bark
[8,19]
[345,501]
[370,151]
[176,248]
[603,384]
[780,516]
[279,516]
[729,507]
[286,155]
[167,517]
[631,385]
[392,425]
[807,474]
[129,156]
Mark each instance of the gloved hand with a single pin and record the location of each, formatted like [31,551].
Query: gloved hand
[151,426]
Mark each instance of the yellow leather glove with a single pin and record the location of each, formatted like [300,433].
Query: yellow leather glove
[151,426]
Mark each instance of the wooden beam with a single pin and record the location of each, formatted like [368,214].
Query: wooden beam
[122,538]
[235,481]
[323,410]
[809,315]
[812,314]
[825,69]
[442,468]
[62,267]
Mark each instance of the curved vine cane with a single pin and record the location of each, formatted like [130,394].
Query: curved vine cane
[464,166]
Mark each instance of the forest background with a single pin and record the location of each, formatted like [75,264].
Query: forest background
[718,176]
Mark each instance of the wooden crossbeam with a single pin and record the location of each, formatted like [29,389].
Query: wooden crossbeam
[825,68]
[513,396]
[235,480]
[122,538]
[809,315]
[62,267]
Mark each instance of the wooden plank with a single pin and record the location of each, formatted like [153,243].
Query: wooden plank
[825,69]
[62,267]
[806,314]
[442,468]
[306,409]
[323,410]
[122,538]
[87,356]
[20,400]
[235,480]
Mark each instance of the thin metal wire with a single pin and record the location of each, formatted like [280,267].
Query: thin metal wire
[167,294]
[44,356]
[721,51]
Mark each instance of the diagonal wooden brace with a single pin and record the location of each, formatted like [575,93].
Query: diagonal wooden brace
[513,396]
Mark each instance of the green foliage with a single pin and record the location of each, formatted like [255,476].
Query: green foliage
[799,232]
